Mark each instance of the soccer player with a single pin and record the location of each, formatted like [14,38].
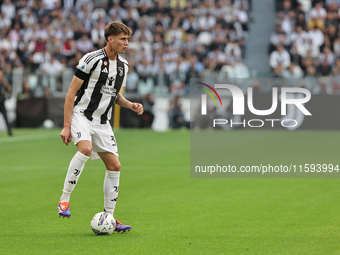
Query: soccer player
[5,87]
[88,104]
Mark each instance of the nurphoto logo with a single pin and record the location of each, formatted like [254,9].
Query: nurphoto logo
[289,96]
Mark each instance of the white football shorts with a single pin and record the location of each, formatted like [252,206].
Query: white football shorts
[101,135]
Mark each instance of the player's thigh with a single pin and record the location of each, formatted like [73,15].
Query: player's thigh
[110,160]
[103,139]
[81,130]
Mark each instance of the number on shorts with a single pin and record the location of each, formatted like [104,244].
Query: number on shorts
[114,140]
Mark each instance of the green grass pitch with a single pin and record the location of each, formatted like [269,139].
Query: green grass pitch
[170,212]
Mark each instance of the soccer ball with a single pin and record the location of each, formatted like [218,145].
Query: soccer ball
[48,124]
[103,223]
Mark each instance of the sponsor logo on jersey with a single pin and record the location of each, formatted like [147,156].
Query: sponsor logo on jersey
[108,88]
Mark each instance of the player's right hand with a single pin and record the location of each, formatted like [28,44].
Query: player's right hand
[66,135]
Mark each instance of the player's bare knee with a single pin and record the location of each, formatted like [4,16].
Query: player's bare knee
[86,150]
[117,166]
[114,166]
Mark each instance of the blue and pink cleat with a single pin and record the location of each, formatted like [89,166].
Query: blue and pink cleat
[64,209]
[120,227]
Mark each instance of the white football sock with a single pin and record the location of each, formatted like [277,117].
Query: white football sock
[74,170]
[111,187]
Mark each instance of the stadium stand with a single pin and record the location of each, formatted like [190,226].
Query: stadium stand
[308,32]
[42,41]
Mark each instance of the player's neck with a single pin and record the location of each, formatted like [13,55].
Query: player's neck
[110,54]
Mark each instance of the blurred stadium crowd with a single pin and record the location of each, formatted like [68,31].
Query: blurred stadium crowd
[172,40]
[306,43]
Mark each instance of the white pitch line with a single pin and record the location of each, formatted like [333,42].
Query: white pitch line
[26,138]
[22,168]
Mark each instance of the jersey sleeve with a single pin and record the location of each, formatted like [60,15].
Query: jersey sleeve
[84,66]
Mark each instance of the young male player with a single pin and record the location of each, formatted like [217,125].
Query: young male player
[88,105]
[4,88]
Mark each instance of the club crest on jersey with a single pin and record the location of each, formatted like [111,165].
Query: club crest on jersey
[120,71]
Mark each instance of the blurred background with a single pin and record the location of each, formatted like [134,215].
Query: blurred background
[173,41]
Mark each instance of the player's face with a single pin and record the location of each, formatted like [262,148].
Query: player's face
[118,43]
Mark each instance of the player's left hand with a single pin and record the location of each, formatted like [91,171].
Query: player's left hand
[138,108]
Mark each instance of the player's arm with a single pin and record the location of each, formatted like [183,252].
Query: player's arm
[123,102]
[68,108]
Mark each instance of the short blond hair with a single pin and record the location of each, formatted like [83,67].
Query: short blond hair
[115,28]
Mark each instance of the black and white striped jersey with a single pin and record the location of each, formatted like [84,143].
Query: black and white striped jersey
[103,79]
